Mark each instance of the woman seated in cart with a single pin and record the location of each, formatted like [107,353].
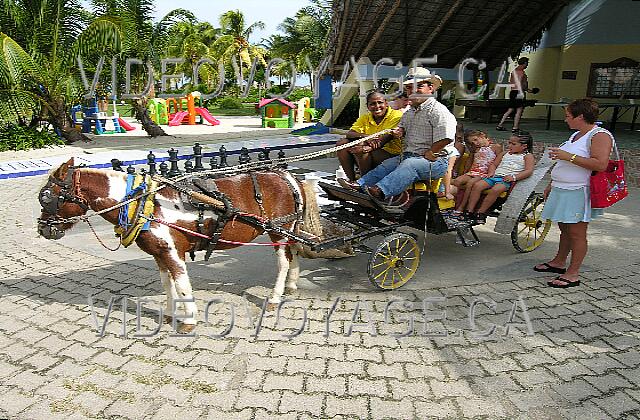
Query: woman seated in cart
[370,154]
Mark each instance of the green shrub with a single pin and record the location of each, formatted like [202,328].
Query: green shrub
[254,95]
[15,137]
[349,114]
[231,102]
[299,93]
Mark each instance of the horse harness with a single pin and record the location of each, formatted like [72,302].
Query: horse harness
[69,193]
[221,217]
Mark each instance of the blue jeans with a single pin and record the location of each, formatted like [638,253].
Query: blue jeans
[396,174]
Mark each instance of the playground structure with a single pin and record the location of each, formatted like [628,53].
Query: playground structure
[185,111]
[157,109]
[97,122]
[304,112]
[276,113]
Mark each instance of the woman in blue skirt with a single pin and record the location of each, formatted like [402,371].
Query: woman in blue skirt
[568,199]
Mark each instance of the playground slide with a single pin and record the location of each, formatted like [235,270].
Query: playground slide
[177,118]
[125,125]
[207,116]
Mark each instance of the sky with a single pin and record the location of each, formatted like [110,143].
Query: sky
[271,12]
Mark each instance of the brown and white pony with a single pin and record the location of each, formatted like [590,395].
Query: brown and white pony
[71,191]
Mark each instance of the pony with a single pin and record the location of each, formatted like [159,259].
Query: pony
[271,195]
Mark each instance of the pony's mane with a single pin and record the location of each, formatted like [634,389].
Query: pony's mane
[103,171]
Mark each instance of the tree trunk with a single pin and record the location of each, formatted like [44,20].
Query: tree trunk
[152,129]
[72,135]
[62,123]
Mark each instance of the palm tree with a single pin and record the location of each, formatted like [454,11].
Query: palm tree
[305,36]
[144,40]
[192,42]
[39,74]
[235,40]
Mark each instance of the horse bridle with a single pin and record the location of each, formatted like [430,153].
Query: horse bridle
[51,203]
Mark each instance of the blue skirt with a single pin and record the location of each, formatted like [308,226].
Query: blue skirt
[569,206]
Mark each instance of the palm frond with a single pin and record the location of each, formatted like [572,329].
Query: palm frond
[256,25]
[18,106]
[103,35]
[16,65]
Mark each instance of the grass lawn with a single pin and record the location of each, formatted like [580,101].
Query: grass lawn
[246,110]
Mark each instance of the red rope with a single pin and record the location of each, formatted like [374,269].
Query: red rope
[200,235]
[100,240]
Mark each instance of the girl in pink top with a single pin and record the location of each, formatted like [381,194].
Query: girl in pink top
[483,153]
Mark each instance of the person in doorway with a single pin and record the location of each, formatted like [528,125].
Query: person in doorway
[519,86]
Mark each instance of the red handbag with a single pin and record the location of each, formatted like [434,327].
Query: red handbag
[608,187]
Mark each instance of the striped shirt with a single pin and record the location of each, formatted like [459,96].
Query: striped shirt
[427,124]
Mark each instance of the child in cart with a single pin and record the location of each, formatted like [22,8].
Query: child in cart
[483,154]
[454,151]
[515,164]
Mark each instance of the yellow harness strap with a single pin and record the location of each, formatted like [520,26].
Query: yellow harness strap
[137,223]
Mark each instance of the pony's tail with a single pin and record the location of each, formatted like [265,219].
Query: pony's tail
[311,216]
[314,225]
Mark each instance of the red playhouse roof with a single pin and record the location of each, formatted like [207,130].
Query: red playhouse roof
[265,101]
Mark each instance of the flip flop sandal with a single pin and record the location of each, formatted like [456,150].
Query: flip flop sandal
[567,283]
[549,269]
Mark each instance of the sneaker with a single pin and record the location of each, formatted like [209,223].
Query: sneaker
[501,128]
[515,131]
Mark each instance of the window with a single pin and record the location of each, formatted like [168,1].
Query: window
[615,79]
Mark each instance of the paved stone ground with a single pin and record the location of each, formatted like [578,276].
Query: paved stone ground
[582,360]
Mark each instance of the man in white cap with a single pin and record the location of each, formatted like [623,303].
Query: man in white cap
[427,127]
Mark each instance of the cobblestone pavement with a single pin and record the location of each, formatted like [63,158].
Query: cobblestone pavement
[582,360]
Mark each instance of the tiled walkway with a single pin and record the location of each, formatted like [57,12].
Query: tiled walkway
[580,361]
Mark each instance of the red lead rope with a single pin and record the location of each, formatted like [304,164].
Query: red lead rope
[200,235]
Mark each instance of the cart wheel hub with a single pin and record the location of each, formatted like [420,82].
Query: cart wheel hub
[394,261]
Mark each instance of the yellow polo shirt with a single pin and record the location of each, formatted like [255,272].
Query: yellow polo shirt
[367,125]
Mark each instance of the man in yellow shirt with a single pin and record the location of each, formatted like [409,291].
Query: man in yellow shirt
[369,154]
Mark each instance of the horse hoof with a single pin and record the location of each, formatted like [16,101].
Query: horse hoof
[168,319]
[186,328]
[290,290]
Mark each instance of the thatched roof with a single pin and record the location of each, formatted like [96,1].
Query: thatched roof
[451,29]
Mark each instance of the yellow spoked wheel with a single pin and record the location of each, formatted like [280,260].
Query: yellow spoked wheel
[394,261]
[530,231]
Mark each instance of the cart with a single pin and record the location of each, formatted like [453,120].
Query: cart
[396,258]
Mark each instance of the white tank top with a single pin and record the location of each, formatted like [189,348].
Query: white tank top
[511,164]
[567,175]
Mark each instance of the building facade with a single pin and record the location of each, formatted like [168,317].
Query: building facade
[592,49]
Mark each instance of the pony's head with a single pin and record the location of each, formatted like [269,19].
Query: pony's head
[60,200]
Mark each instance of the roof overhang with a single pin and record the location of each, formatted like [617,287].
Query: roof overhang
[452,30]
